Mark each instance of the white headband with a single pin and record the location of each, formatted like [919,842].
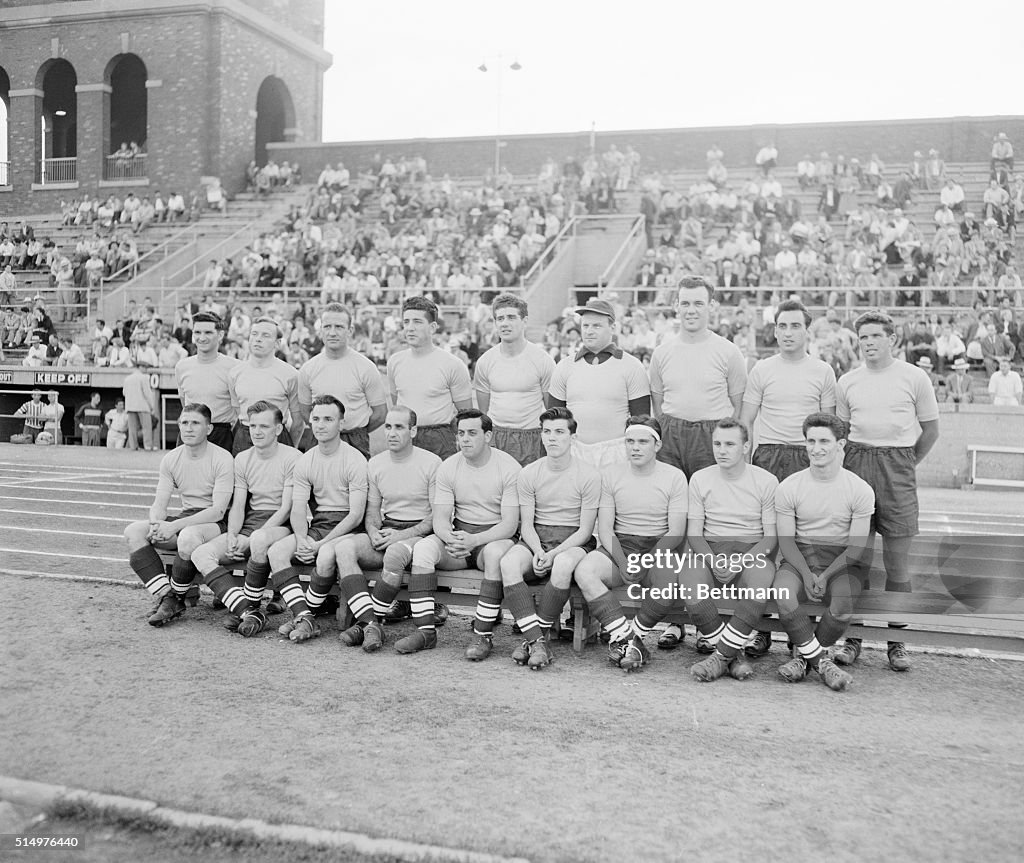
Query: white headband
[636,427]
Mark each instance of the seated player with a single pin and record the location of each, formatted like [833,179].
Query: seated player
[558,500]
[643,509]
[330,482]
[258,518]
[476,512]
[824,525]
[202,474]
[732,540]
[400,488]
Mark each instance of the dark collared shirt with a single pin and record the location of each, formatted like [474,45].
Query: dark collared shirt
[596,358]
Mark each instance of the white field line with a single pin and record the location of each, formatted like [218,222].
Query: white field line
[52,530]
[60,554]
[66,515]
[86,503]
[65,467]
[66,576]
[147,494]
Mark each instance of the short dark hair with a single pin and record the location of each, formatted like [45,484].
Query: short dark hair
[266,320]
[474,414]
[509,301]
[793,306]
[875,316]
[839,428]
[336,309]
[644,420]
[261,406]
[330,400]
[697,282]
[196,408]
[413,419]
[730,423]
[421,304]
[552,414]
[208,318]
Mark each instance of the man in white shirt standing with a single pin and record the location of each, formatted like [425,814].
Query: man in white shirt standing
[1005,385]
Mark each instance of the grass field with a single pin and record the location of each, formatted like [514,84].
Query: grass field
[578,762]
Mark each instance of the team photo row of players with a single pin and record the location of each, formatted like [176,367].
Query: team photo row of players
[519,498]
[408,514]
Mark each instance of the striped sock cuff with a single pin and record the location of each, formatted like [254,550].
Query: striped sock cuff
[182,573]
[236,600]
[712,633]
[641,628]
[422,611]
[256,576]
[552,601]
[146,564]
[519,601]
[383,595]
[607,610]
[362,607]
[220,580]
[797,626]
[810,651]
[314,598]
[353,584]
[732,641]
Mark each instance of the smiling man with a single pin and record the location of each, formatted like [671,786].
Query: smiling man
[431,381]
[601,384]
[824,521]
[258,518]
[203,379]
[330,482]
[476,512]
[202,473]
[894,422]
[511,380]
[340,371]
[558,500]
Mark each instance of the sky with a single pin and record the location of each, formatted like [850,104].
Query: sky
[406,69]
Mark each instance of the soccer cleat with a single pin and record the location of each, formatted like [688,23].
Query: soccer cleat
[848,653]
[616,650]
[421,639]
[192,597]
[231,621]
[479,648]
[170,607]
[635,656]
[711,668]
[795,670]
[539,655]
[303,628]
[833,676]
[276,604]
[217,603]
[521,655]
[740,667]
[373,637]
[252,623]
[352,637]
[705,644]
[672,637]
[759,646]
[440,614]
[899,659]
[400,610]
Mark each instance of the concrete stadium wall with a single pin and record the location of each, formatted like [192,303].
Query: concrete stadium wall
[958,139]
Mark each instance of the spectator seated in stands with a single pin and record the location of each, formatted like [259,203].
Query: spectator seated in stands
[1002,153]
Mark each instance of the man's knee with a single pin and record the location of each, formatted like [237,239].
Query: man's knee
[280,553]
[562,569]
[206,557]
[136,533]
[426,554]
[259,544]
[189,540]
[494,552]
[398,557]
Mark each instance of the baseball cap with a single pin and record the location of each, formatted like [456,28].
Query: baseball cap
[600,307]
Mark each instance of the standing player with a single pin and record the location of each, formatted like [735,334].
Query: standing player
[824,521]
[782,389]
[601,385]
[400,489]
[203,379]
[433,382]
[258,518]
[202,473]
[511,380]
[697,379]
[330,482]
[558,500]
[264,377]
[643,509]
[732,528]
[476,513]
[346,374]
[885,401]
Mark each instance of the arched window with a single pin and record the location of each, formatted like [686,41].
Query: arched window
[5,111]
[59,163]
[275,116]
[125,139]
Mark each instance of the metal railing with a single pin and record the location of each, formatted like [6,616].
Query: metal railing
[63,170]
[5,173]
[634,233]
[160,251]
[125,167]
[553,247]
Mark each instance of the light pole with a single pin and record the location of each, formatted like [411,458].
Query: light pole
[499,67]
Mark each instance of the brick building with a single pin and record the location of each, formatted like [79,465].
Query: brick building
[200,86]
